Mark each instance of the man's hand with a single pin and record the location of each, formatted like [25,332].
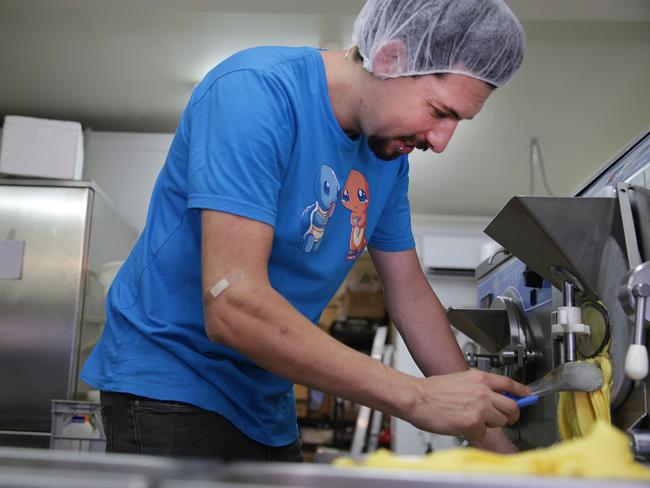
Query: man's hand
[495,440]
[465,404]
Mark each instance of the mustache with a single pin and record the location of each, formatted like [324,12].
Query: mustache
[418,144]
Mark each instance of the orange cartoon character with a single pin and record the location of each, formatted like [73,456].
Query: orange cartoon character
[356,196]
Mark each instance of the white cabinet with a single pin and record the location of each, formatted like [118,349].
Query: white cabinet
[461,252]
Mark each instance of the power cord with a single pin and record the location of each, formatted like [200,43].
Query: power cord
[536,160]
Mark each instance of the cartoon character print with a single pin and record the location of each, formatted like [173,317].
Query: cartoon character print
[356,196]
[316,215]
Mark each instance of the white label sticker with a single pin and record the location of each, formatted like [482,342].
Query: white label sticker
[11,259]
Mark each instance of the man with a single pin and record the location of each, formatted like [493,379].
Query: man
[285,163]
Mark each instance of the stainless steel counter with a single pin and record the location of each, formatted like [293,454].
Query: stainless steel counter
[32,468]
[330,476]
[35,468]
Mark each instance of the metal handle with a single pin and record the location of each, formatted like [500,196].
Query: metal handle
[636,359]
[641,292]
[496,253]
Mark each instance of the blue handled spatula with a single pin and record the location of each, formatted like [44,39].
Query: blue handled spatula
[573,376]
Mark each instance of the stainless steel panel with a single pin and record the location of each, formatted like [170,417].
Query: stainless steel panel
[111,239]
[327,476]
[41,313]
[538,426]
[70,231]
[487,327]
[624,166]
[41,468]
[32,468]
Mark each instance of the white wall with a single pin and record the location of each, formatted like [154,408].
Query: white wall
[582,92]
[125,166]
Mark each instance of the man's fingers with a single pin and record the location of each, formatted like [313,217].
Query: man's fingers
[515,418]
[507,407]
[500,383]
[475,433]
[495,412]
[496,418]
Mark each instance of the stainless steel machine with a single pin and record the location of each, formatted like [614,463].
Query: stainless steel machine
[569,282]
[54,237]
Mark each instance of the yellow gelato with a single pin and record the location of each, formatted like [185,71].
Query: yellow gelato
[603,453]
[577,412]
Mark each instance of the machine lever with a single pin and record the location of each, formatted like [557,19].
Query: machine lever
[496,253]
[636,359]
[634,298]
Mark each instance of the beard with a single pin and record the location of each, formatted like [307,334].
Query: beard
[380,146]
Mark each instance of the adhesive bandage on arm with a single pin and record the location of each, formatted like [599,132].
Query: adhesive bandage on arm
[220,286]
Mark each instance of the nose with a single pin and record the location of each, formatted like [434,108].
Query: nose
[439,136]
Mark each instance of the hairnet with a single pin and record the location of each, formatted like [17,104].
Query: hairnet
[478,38]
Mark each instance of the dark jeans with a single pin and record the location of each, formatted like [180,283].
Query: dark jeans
[141,425]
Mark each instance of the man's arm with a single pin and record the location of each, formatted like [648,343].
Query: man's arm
[252,318]
[422,322]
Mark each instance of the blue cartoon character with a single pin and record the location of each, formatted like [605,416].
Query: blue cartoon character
[316,215]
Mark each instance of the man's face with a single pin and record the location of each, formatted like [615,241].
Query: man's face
[419,112]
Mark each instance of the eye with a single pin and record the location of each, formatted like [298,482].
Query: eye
[346,195]
[327,188]
[362,195]
[438,114]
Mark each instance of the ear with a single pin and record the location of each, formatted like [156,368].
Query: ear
[390,60]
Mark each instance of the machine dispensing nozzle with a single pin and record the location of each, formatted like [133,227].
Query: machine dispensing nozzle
[567,322]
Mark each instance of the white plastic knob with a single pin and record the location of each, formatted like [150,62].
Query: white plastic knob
[636,362]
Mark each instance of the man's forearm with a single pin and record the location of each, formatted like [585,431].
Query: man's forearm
[422,322]
[441,355]
[263,326]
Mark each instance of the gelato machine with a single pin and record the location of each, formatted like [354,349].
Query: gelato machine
[570,283]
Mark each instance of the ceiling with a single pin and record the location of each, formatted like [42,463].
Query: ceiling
[130,65]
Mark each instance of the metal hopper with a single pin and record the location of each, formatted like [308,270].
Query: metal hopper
[488,328]
[579,240]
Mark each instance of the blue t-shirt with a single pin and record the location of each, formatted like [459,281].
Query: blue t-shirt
[258,139]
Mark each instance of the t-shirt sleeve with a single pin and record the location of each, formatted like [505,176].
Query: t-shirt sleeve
[393,232]
[240,135]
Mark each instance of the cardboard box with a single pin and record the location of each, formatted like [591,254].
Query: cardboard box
[363,276]
[300,392]
[302,408]
[350,410]
[324,406]
[331,313]
[41,148]
[315,436]
[364,304]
